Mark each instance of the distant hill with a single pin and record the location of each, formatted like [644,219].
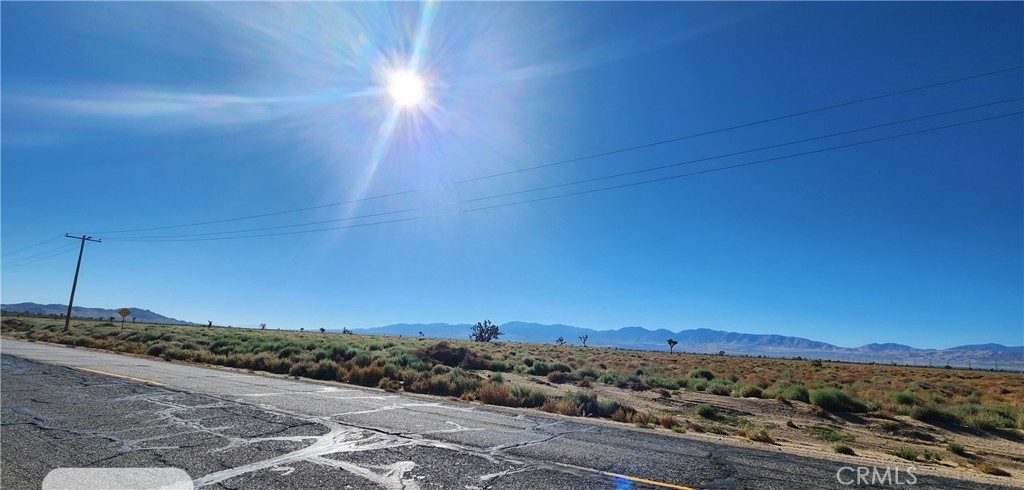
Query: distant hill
[141,314]
[703,340]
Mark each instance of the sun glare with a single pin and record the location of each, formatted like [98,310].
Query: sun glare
[406,88]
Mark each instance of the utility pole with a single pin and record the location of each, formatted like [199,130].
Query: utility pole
[83,238]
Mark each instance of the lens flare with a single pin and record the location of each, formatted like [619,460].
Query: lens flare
[406,88]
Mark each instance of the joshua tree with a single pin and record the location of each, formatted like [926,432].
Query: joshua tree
[421,334]
[560,341]
[583,339]
[322,330]
[302,329]
[671,345]
[263,326]
[485,331]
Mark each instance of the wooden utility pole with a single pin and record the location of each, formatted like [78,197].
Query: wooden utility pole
[74,284]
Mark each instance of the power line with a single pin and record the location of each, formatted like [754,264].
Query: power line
[748,164]
[56,252]
[586,157]
[20,250]
[40,253]
[590,191]
[566,184]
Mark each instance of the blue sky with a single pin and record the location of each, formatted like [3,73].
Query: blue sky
[124,116]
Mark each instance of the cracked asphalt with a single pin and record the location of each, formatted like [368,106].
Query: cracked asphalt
[235,430]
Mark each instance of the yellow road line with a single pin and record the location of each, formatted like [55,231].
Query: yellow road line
[97,371]
[631,478]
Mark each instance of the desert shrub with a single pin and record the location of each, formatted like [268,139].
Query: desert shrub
[835,400]
[905,398]
[559,377]
[719,387]
[906,452]
[605,408]
[500,366]
[697,384]
[749,391]
[796,392]
[529,397]
[843,449]
[496,394]
[326,369]
[155,349]
[707,411]
[287,352]
[587,401]
[612,378]
[432,385]
[462,381]
[363,359]
[662,381]
[644,419]
[241,361]
[700,373]
[300,368]
[934,415]
[558,366]
[365,376]
[956,448]
[389,385]
[539,369]
[440,369]
[668,421]
[829,434]
[623,414]
[497,378]
[987,419]
[587,373]
[758,434]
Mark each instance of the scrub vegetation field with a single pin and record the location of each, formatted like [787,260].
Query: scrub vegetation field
[953,421]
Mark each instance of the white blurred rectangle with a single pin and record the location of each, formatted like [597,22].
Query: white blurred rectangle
[117,479]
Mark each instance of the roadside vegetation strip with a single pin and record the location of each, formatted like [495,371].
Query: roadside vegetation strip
[478,370]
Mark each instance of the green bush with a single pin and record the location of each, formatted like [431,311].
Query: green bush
[749,391]
[707,411]
[933,415]
[700,373]
[905,398]
[907,453]
[661,381]
[697,384]
[796,392]
[539,369]
[529,398]
[834,400]
[956,448]
[612,378]
[829,434]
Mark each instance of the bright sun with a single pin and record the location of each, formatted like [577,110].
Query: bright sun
[406,88]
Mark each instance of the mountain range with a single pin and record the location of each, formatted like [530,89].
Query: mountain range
[140,314]
[703,340]
[700,340]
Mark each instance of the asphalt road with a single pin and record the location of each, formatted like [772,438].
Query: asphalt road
[65,407]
